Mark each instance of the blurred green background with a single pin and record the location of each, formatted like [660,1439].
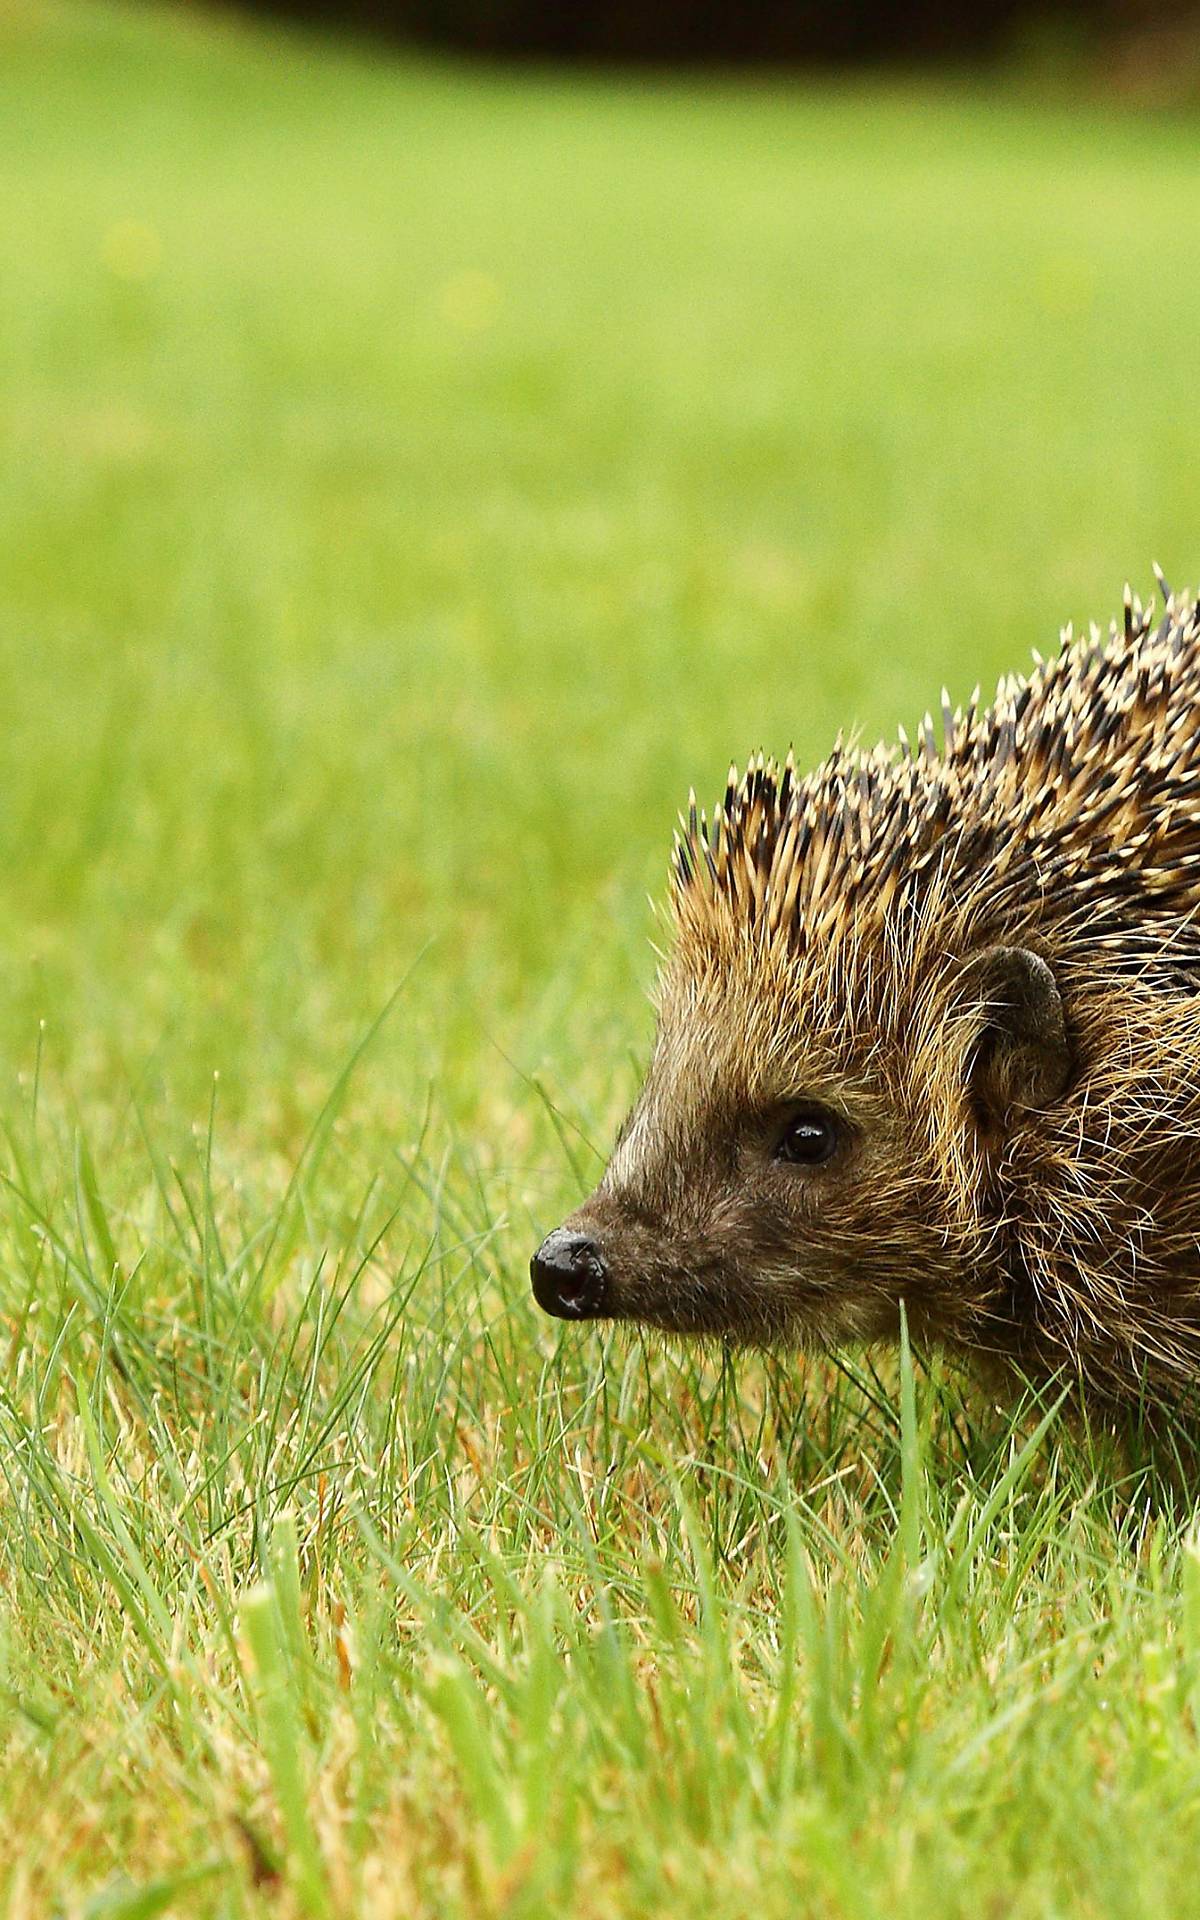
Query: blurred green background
[417,475]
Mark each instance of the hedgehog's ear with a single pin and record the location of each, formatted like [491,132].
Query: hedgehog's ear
[1022,1057]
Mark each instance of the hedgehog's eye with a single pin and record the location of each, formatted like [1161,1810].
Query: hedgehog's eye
[809,1138]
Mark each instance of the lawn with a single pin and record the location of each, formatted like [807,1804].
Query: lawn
[414,477]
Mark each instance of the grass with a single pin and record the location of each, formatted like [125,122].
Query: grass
[415,476]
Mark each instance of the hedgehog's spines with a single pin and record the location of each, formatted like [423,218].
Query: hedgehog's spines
[1078,776]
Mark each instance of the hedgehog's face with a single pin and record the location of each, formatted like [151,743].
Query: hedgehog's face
[765,1187]
[777,1180]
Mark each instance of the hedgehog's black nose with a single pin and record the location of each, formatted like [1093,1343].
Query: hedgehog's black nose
[569,1276]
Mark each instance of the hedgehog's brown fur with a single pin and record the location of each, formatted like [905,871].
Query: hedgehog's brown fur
[850,937]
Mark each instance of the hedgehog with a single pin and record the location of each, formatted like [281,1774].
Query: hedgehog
[928,1042]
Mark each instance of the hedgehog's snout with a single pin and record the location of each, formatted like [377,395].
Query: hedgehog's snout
[569,1275]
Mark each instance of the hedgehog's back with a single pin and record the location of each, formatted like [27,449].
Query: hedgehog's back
[1071,802]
